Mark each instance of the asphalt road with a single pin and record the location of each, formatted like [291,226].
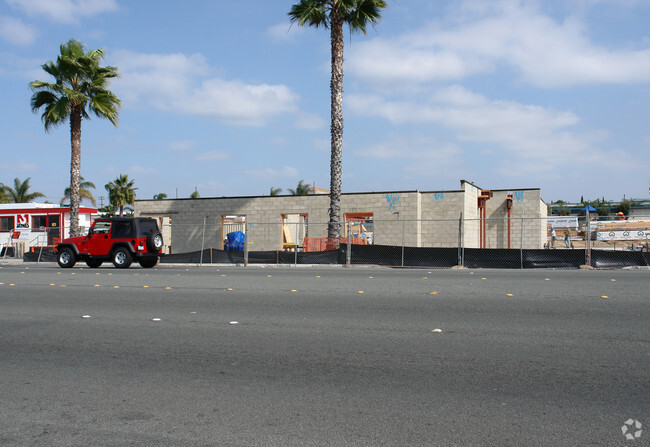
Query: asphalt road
[420,358]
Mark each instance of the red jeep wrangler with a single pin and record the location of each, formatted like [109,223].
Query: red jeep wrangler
[116,239]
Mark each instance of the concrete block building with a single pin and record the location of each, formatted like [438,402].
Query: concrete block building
[486,218]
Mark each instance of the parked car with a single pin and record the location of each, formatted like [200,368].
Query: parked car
[120,240]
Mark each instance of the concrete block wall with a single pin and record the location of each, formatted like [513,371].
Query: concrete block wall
[526,219]
[441,212]
[471,227]
[417,219]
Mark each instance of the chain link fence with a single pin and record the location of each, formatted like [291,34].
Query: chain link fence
[475,243]
[518,242]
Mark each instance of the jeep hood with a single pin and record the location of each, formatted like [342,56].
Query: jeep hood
[73,240]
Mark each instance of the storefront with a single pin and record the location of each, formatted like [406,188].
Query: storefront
[35,225]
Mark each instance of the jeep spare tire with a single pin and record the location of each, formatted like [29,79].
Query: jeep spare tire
[154,241]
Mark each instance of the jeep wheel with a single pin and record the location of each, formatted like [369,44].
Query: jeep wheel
[148,263]
[122,258]
[94,263]
[154,241]
[66,258]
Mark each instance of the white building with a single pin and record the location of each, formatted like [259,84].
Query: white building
[32,225]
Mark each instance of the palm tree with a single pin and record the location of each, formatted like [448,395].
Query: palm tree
[80,86]
[20,192]
[84,192]
[3,194]
[333,14]
[301,190]
[121,192]
[160,196]
[275,191]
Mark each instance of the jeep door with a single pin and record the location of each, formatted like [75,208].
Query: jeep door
[98,242]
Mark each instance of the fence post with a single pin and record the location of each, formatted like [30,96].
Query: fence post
[403,236]
[203,239]
[521,246]
[463,241]
[348,256]
[460,236]
[588,239]
[295,245]
[245,243]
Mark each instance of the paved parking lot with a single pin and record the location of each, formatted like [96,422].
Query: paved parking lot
[322,356]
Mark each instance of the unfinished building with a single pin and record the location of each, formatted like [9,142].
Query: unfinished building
[470,216]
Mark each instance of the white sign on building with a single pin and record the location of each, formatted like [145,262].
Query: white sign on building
[628,235]
[563,221]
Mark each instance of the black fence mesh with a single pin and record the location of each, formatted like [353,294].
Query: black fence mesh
[518,243]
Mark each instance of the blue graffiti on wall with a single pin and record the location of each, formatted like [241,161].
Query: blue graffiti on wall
[438,195]
[392,199]
[519,195]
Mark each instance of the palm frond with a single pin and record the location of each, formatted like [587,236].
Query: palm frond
[366,12]
[311,13]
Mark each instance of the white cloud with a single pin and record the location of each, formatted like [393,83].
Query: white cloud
[322,144]
[544,51]
[309,121]
[273,174]
[19,166]
[181,83]
[419,148]
[212,156]
[526,136]
[16,32]
[182,145]
[285,31]
[64,11]
[141,170]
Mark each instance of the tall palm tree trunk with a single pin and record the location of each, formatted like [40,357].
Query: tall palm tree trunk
[75,169]
[336,127]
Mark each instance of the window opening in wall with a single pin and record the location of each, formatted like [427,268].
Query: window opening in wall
[231,223]
[39,223]
[360,226]
[295,228]
[49,223]
[7,223]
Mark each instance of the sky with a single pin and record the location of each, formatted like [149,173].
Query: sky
[229,99]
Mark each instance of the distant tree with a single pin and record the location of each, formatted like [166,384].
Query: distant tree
[275,191]
[195,194]
[108,211]
[160,196]
[602,206]
[3,194]
[333,14]
[121,192]
[624,206]
[301,190]
[84,192]
[563,211]
[20,192]
[80,86]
